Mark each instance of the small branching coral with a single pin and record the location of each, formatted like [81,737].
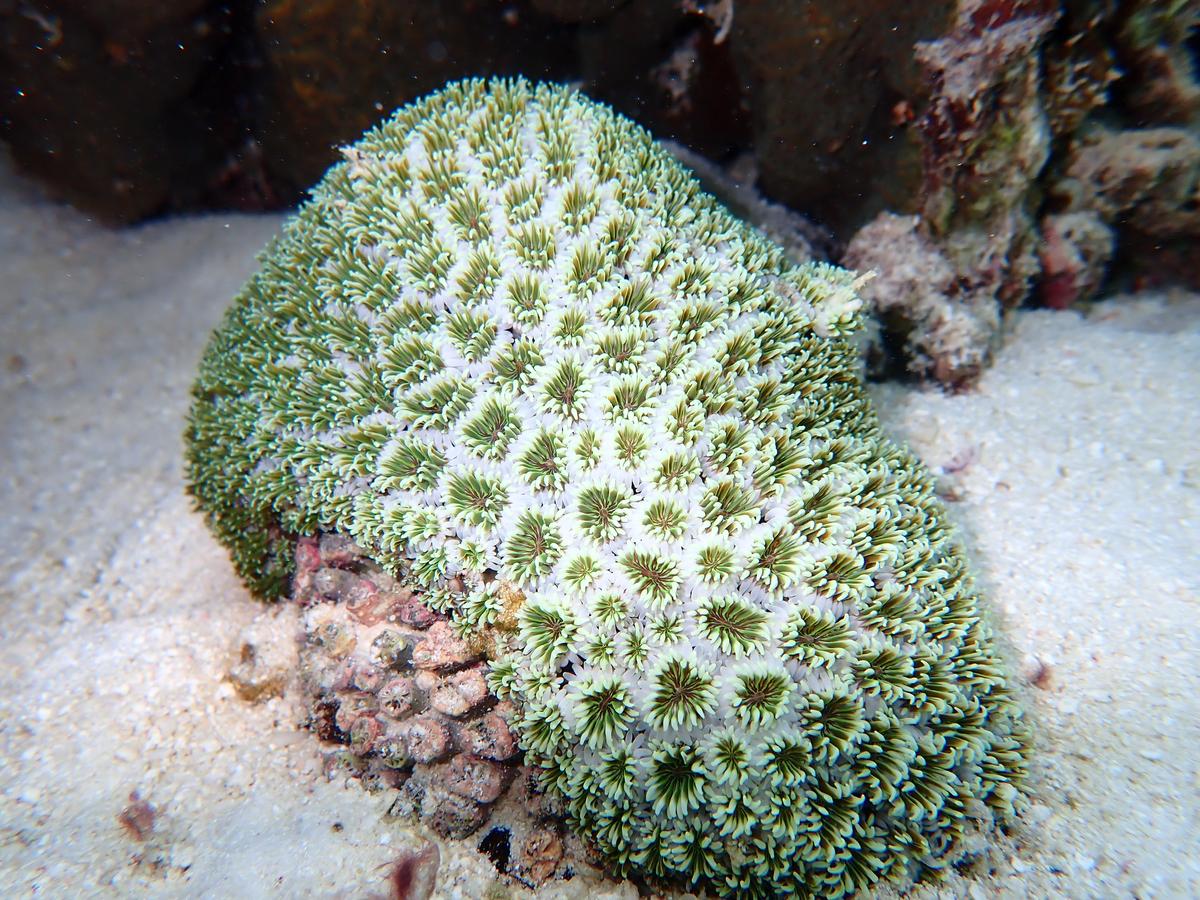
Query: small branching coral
[509,338]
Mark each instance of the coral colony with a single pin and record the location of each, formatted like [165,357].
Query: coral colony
[513,351]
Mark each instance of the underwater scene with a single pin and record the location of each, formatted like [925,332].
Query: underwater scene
[600,449]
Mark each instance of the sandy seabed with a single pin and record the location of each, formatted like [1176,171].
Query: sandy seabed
[1073,472]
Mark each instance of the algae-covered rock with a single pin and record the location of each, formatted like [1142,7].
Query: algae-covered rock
[514,352]
[918,296]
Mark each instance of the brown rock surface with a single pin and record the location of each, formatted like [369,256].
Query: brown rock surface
[540,854]
[113,103]
[669,67]
[1147,177]
[828,83]
[332,69]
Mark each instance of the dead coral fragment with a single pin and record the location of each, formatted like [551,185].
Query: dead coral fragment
[138,817]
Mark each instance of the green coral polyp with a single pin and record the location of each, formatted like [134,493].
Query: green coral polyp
[509,336]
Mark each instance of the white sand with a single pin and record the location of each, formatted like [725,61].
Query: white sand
[120,615]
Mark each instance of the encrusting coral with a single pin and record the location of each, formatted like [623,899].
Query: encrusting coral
[513,352]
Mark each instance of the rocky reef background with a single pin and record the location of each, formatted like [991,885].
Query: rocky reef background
[979,155]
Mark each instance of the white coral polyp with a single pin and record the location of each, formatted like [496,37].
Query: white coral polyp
[652,411]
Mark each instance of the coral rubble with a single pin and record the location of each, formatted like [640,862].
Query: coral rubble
[985,138]
[1037,170]
[401,702]
[620,444]
[1148,178]
[948,325]
[831,86]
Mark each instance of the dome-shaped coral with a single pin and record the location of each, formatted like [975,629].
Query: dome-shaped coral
[509,343]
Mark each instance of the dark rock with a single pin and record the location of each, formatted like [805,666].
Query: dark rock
[112,103]
[833,87]
[1080,68]
[1149,178]
[1075,251]
[452,815]
[675,75]
[332,69]
[1155,46]
[1144,184]
[575,11]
